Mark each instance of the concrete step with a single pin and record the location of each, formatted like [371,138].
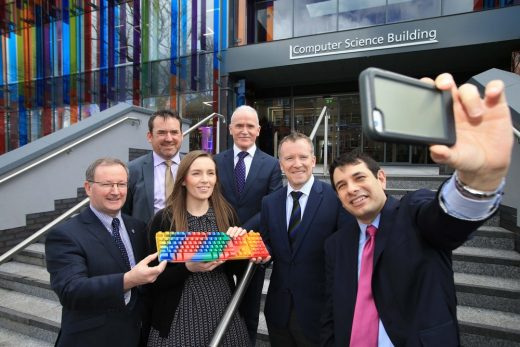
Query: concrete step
[30,315]
[487,262]
[415,182]
[10,338]
[492,237]
[488,292]
[33,254]
[26,278]
[482,327]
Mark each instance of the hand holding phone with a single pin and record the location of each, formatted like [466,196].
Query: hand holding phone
[397,108]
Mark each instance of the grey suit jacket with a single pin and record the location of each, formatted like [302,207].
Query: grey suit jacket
[139,199]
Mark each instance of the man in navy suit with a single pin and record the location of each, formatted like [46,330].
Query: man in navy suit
[146,186]
[263,176]
[411,291]
[94,260]
[296,293]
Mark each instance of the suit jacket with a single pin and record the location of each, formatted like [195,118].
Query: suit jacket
[412,280]
[263,178]
[298,272]
[87,271]
[140,195]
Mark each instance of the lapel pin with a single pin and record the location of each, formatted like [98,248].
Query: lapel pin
[133,231]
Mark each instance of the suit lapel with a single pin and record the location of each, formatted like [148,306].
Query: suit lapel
[256,166]
[313,202]
[134,241]
[148,174]
[385,229]
[98,230]
[349,263]
[280,210]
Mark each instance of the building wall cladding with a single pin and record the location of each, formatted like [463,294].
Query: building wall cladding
[62,61]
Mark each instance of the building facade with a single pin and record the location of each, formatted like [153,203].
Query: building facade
[62,60]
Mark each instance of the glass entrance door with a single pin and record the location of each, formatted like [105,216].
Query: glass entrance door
[344,124]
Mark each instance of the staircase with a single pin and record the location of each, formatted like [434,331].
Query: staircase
[30,312]
[487,279]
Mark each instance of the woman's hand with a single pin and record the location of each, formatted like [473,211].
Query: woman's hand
[205,266]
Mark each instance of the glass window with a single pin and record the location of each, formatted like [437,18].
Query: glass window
[314,17]
[400,10]
[361,13]
[275,122]
[273,20]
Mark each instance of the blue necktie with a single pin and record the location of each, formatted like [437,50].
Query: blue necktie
[119,241]
[240,172]
[296,214]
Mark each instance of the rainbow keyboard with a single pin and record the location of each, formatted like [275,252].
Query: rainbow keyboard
[181,246]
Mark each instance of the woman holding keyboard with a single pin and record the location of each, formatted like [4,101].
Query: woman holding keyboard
[188,299]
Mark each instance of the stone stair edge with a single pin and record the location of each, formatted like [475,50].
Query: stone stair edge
[30,319]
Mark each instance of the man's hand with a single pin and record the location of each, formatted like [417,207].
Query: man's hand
[141,273]
[482,153]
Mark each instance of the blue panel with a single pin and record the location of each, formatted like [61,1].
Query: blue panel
[22,121]
[173,35]
[216,26]
[223,14]
[12,75]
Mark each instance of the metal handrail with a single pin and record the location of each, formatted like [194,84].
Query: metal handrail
[213,115]
[34,237]
[232,306]
[68,147]
[324,114]
[517,133]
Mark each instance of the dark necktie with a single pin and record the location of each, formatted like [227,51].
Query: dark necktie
[365,325]
[240,172]
[296,214]
[119,241]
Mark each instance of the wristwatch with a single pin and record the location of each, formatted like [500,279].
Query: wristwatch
[476,194]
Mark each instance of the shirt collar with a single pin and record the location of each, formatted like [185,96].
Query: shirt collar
[105,219]
[251,150]
[363,227]
[158,160]
[305,189]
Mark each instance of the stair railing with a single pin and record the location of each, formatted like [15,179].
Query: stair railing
[323,115]
[204,120]
[40,233]
[72,145]
[34,237]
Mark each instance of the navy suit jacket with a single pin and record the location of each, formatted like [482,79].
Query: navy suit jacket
[298,272]
[86,271]
[263,178]
[140,195]
[412,280]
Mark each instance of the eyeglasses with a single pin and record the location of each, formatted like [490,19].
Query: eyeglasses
[109,185]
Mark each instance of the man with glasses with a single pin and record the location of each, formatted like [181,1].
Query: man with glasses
[96,265]
[152,175]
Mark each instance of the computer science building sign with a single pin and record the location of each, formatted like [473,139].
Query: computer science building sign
[352,44]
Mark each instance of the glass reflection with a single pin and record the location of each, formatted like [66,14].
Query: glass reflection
[314,17]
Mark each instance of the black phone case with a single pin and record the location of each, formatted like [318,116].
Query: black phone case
[369,104]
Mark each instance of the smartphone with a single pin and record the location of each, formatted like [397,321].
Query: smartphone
[398,108]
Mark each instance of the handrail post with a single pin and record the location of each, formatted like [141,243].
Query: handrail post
[326,142]
[233,305]
[318,122]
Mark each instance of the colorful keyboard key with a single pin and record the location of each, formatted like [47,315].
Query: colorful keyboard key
[181,246]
